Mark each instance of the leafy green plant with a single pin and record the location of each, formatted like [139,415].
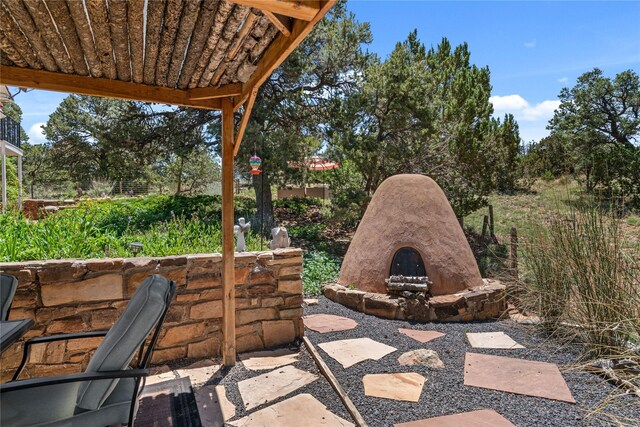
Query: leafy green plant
[307,232]
[319,268]
[634,220]
[297,205]
[107,228]
[547,175]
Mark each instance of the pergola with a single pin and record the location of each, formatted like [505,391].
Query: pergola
[212,54]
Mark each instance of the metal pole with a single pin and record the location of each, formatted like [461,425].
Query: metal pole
[262,199]
[4,175]
[20,182]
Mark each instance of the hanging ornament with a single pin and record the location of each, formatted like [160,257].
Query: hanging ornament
[255,163]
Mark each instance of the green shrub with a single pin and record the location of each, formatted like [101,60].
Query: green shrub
[140,213]
[164,225]
[308,232]
[319,268]
[297,205]
[548,176]
[634,220]
[492,257]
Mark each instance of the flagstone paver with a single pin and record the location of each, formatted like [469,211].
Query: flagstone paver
[539,379]
[200,372]
[421,357]
[273,385]
[481,418]
[349,352]
[498,340]
[300,410]
[324,323]
[213,406]
[405,386]
[271,359]
[421,336]
[159,378]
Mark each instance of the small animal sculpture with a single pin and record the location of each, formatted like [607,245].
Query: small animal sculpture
[239,231]
[279,238]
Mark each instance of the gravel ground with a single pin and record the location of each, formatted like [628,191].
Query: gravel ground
[320,389]
[444,392]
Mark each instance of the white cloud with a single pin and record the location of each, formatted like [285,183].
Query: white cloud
[508,102]
[532,119]
[563,79]
[542,111]
[531,44]
[36,134]
[522,110]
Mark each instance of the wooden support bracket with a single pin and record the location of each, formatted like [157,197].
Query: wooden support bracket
[248,107]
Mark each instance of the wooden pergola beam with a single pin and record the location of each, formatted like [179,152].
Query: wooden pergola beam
[58,82]
[282,23]
[209,92]
[305,10]
[279,50]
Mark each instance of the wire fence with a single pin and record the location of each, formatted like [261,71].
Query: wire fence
[68,190]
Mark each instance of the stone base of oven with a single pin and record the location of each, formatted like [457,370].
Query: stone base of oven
[484,302]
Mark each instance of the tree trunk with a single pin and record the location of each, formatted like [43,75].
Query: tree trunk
[179,189]
[264,202]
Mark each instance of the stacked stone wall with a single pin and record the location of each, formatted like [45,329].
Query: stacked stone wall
[68,296]
[484,302]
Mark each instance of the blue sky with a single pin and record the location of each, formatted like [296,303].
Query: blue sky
[532,48]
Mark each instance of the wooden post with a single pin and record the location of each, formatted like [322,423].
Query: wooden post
[485,225]
[229,300]
[514,251]
[492,234]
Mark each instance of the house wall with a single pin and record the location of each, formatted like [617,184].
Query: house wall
[67,296]
[319,192]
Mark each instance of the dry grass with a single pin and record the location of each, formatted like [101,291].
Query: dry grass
[527,210]
[580,271]
[582,279]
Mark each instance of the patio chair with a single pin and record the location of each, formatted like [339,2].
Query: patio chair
[107,392]
[8,286]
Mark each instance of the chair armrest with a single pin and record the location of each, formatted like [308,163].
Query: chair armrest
[59,337]
[82,377]
[51,338]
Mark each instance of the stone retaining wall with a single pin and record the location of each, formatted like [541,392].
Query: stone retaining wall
[484,302]
[67,296]
[33,208]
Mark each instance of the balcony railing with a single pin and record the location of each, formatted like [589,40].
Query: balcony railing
[10,131]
